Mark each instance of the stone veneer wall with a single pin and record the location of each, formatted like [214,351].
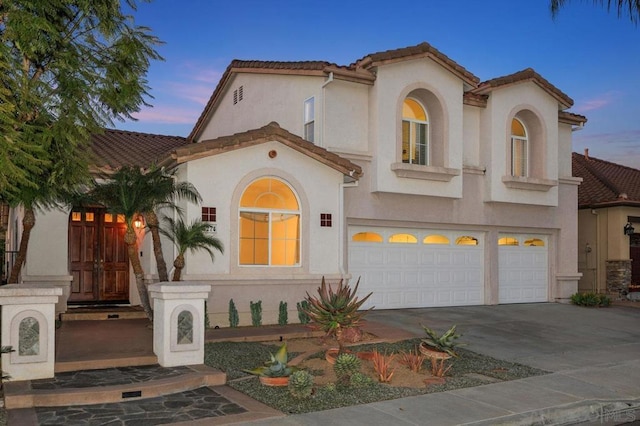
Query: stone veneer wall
[618,276]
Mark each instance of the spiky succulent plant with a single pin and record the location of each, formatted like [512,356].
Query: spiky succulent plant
[276,366]
[301,384]
[360,380]
[346,364]
[443,343]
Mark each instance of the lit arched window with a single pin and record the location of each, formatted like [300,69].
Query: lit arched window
[466,240]
[367,237]
[508,241]
[403,238]
[269,224]
[534,242]
[415,133]
[519,149]
[435,239]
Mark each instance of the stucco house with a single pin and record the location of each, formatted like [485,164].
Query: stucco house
[608,225]
[401,169]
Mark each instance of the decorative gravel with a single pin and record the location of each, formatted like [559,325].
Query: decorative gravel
[469,369]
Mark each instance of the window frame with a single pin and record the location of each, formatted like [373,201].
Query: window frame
[413,125]
[521,140]
[309,119]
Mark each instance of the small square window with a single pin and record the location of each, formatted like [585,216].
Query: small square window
[108,217]
[325,220]
[88,217]
[209,214]
[76,216]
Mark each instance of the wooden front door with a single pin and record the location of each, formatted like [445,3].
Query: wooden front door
[634,254]
[98,257]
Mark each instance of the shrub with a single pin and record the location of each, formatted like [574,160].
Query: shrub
[590,299]
[382,366]
[301,384]
[302,312]
[256,313]
[412,360]
[233,314]
[283,316]
[346,365]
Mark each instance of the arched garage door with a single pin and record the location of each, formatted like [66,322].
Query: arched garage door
[523,268]
[410,268]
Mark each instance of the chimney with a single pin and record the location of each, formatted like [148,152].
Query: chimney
[586,153]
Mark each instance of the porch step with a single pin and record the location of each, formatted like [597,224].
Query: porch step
[100,313]
[113,385]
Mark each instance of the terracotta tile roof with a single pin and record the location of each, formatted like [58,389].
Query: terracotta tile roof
[605,184]
[571,118]
[521,76]
[116,148]
[270,132]
[420,50]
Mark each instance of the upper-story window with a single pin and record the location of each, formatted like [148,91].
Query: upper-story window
[415,133]
[309,119]
[269,224]
[519,149]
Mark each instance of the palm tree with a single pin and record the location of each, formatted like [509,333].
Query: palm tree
[632,7]
[129,192]
[191,237]
[165,191]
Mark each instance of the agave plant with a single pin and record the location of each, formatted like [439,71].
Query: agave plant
[334,310]
[276,366]
[443,343]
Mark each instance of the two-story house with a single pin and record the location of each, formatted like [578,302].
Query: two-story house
[402,170]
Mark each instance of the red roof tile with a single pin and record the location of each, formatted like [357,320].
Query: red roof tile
[522,76]
[270,132]
[605,184]
[116,148]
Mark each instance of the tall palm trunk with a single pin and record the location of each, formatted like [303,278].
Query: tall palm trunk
[179,265]
[154,225]
[28,222]
[131,239]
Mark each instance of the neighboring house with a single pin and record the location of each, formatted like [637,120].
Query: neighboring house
[608,225]
[401,170]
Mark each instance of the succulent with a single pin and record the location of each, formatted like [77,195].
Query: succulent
[360,380]
[444,343]
[346,364]
[302,307]
[334,310]
[276,366]
[301,384]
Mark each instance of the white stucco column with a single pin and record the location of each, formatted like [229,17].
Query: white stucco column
[178,322]
[28,326]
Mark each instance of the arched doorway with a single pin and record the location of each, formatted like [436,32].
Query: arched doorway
[98,259]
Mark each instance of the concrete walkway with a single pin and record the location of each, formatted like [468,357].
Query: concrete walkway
[593,356]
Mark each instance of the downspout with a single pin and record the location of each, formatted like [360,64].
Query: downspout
[343,224]
[324,107]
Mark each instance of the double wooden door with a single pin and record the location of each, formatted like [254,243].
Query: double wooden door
[98,257]
[634,254]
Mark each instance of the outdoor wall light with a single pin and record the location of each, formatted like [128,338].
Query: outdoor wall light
[139,222]
[628,229]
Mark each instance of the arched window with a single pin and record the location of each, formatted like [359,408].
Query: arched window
[508,241]
[415,133]
[519,149]
[367,237]
[403,238]
[269,224]
[536,242]
[435,239]
[466,240]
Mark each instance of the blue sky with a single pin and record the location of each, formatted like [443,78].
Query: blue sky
[587,52]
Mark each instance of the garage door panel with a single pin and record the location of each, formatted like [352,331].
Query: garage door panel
[523,272]
[419,275]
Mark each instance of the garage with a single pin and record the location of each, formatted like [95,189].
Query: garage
[412,268]
[523,268]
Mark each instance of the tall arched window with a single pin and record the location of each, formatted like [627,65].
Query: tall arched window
[519,149]
[415,133]
[269,224]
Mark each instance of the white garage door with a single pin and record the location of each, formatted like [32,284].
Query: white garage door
[410,268]
[523,268]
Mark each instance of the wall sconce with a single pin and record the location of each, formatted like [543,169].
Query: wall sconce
[628,229]
[138,222]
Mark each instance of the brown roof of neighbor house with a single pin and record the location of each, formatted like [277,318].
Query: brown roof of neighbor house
[113,149]
[521,76]
[421,50]
[605,184]
[270,132]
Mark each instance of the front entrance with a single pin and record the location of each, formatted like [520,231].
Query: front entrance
[98,257]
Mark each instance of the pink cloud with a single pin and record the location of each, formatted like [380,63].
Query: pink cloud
[597,103]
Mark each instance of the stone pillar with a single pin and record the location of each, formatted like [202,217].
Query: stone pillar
[618,276]
[178,322]
[28,326]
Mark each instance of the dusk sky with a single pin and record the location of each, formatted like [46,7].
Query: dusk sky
[588,53]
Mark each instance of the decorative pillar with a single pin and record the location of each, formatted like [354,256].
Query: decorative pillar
[28,326]
[618,276]
[178,322]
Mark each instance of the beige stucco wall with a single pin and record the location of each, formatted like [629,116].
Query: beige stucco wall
[602,230]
